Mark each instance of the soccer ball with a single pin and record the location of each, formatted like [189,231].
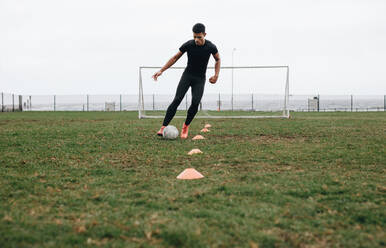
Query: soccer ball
[170,132]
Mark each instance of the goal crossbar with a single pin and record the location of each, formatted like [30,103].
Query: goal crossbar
[285,112]
[222,67]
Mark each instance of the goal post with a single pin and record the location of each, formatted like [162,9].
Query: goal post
[240,92]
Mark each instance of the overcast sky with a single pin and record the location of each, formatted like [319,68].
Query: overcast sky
[96,47]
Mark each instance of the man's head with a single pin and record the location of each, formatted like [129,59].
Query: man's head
[199,34]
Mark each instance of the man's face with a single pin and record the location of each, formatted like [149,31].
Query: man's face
[199,38]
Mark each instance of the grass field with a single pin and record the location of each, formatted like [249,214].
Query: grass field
[75,179]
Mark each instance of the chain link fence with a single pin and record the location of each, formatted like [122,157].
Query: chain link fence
[247,102]
[10,102]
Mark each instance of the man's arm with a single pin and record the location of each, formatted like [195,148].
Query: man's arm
[171,62]
[217,66]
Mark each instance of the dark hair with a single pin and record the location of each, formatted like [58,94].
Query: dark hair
[199,28]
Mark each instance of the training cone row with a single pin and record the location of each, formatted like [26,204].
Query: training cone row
[205,129]
[191,173]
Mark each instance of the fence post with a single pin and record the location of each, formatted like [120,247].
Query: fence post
[153,103]
[384,102]
[54,102]
[87,104]
[318,102]
[120,102]
[2,101]
[252,101]
[30,103]
[219,102]
[13,102]
[20,103]
[352,102]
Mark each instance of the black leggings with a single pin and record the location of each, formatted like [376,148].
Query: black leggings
[187,80]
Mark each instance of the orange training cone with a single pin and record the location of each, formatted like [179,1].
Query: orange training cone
[205,130]
[198,137]
[189,174]
[208,126]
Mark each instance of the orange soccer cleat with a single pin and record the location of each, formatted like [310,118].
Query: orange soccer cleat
[159,133]
[184,132]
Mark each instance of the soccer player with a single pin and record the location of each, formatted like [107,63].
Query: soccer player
[199,50]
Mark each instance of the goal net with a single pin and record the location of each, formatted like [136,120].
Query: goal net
[240,92]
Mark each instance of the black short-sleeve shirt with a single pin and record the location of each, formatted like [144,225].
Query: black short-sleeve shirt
[198,56]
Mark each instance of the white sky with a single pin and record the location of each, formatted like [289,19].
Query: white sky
[95,47]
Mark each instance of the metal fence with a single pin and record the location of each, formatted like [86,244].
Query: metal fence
[218,102]
[10,102]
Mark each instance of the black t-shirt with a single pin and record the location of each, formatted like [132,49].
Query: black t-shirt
[198,56]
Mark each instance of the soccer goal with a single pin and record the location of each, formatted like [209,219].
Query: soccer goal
[240,92]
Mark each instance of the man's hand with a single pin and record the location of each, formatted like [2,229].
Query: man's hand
[213,79]
[156,75]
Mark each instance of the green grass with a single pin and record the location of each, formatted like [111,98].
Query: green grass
[75,179]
